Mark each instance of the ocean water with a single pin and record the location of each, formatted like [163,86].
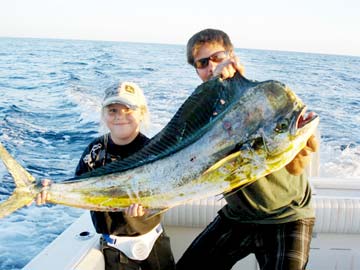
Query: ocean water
[49,111]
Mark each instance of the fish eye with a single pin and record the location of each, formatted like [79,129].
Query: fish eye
[282,126]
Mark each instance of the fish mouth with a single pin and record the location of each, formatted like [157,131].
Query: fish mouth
[303,118]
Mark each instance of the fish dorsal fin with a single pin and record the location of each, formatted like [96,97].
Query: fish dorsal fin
[196,115]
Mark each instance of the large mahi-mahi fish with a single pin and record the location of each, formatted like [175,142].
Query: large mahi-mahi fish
[226,135]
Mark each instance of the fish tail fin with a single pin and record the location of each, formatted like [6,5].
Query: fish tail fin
[24,181]
[16,201]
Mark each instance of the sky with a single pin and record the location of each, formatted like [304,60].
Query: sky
[319,26]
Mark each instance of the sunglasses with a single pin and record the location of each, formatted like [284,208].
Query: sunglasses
[215,57]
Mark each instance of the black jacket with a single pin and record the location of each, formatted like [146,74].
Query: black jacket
[102,151]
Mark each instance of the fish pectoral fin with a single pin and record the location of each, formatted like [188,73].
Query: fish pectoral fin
[155,211]
[221,162]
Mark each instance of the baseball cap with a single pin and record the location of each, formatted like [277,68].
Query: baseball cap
[126,93]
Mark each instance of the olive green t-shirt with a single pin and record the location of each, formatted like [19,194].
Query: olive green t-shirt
[277,198]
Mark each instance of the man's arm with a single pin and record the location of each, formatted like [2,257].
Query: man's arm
[302,159]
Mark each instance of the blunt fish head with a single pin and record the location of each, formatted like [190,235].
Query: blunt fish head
[291,128]
[280,124]
[265,128]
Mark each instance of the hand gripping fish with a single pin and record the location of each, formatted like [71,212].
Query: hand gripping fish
[226,135]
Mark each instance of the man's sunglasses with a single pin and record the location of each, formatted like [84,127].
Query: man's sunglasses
[215,57]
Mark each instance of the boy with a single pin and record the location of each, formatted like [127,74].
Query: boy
[273,217]
[124,111]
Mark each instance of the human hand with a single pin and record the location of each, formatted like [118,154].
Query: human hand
[43,196]
[229,67]
[135,210]
[302,159]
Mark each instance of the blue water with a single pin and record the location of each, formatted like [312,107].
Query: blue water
[49,111]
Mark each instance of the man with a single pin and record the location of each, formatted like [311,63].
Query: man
[273,217]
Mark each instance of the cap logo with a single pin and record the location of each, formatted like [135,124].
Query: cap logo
[129,89]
